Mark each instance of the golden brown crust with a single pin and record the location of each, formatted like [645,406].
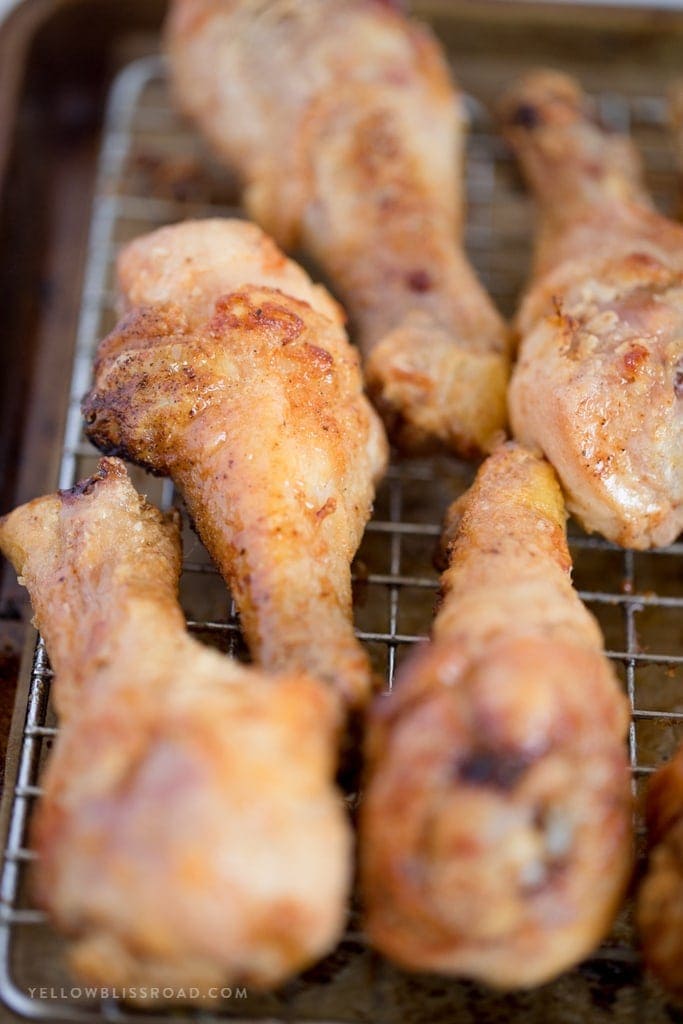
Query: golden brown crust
[597,384]
[435,395]
[346,129]
[258,415]
[84,525]
[495,829]
[189,833]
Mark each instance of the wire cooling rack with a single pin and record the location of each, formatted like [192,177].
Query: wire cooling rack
[153,171]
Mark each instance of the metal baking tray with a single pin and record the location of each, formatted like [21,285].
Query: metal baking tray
[152,169]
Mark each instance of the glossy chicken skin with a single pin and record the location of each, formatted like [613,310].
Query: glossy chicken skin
[659,911]
[343,123]
[598,387]
[189,833]
[251,399]
[495,829]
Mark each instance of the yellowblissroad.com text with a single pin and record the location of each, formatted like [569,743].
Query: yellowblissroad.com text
[142,993]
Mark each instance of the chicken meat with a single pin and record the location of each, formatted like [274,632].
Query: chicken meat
[189,833]
[659,910]
[495,830]
[345,128]
[232,374]
[598,387]
[675,97]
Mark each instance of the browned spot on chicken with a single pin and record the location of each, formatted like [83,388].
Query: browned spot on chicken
[88,485]
[320,357]
[327,509]
[569,336]
[501,769]
[376,143]
[413,377]
[593,169]
[678,379]
[634,358]
[638,263]
[526,116]
[419,281]
[568,328]
[238,312]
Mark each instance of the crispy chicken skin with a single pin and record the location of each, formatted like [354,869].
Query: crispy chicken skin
[495,828]
[189,833]
[659,912]
[598,387]
[341,118]
[250,398]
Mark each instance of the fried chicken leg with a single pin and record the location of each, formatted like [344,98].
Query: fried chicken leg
[598,387]
[250,398]
[343,123]
[675,97]
[659,908]
[189,833]
[495,829]
[659,911]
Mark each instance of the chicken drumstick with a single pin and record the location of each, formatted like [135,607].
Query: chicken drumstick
[343,123]
[495,829]
[189,833]
[598,387]
[250,398]
[659,911]
[660,900]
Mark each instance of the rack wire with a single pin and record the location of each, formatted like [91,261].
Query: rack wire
[152,170]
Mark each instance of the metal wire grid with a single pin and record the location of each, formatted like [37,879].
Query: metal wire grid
[638,598]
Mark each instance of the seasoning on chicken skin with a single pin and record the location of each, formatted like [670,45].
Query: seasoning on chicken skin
[189,834]
[341,119]
[598,387]
[250,398]
[495,828]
